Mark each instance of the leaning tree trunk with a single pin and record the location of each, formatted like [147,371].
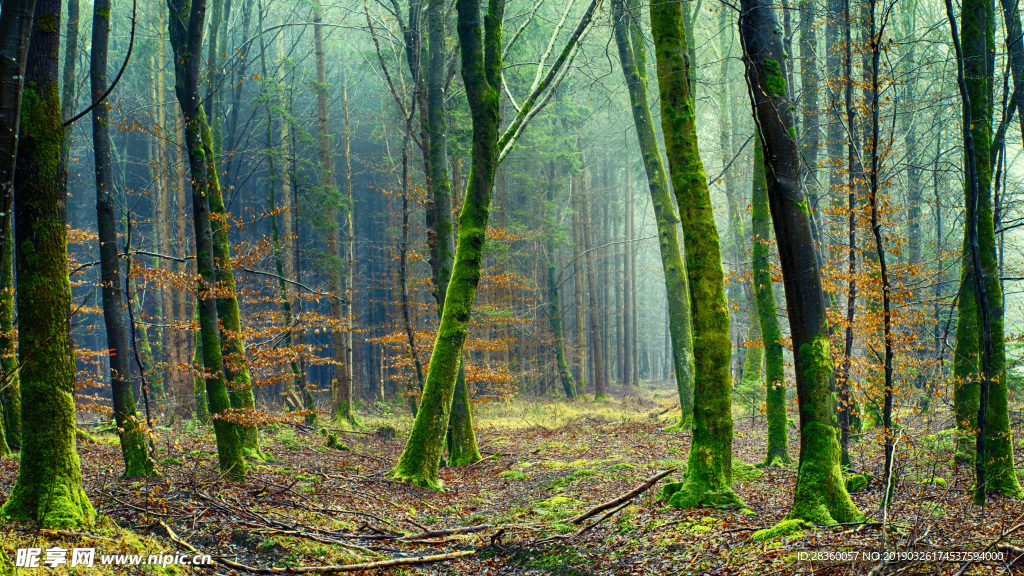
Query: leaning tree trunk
[709,472]
[820,495]
[133,441]
[48,490]
[632,55]
[186,36]
[481,73]
[775,370]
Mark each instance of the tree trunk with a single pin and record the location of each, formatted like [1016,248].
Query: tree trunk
[275,237]
[554,309]
[578,278]
[341,386]
[481,72]
[594,306]
[49,485]
[709,472]
[775,371]
[632,55]
[627,300]
[994,446]
[820,495]
[1015,46]
[133,442]
[10,396]
[186,35]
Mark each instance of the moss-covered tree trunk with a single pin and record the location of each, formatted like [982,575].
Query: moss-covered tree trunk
[15,32]
[461,439]
[709,471]
[48,490]
[978,46]
[480,44]
[186,35]
[820,495]
[133,442]
[632,55]
[775,371]
[10,388]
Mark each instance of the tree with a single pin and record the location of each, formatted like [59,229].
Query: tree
[49,485]
[820,495]
[633,58]
[775,398]
[481,51]
[709,470]
[186,36]
[341,386]
[133,441]
[980,401]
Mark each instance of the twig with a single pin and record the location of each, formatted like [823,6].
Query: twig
[625,497]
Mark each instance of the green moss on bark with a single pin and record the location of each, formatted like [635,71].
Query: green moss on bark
[775,374]
[10,390]
[48,489]
[462,447]
[821,496]
[709,471]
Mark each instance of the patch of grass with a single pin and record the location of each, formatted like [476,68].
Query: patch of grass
[514,475]
[622,466]
[565,481]
[556,507]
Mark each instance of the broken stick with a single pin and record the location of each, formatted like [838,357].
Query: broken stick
[624,498]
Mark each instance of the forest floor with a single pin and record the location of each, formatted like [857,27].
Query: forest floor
[545,462]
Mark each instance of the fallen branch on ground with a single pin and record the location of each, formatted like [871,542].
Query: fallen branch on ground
[607,515]
[323,569]
[624,498]
[449,532]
